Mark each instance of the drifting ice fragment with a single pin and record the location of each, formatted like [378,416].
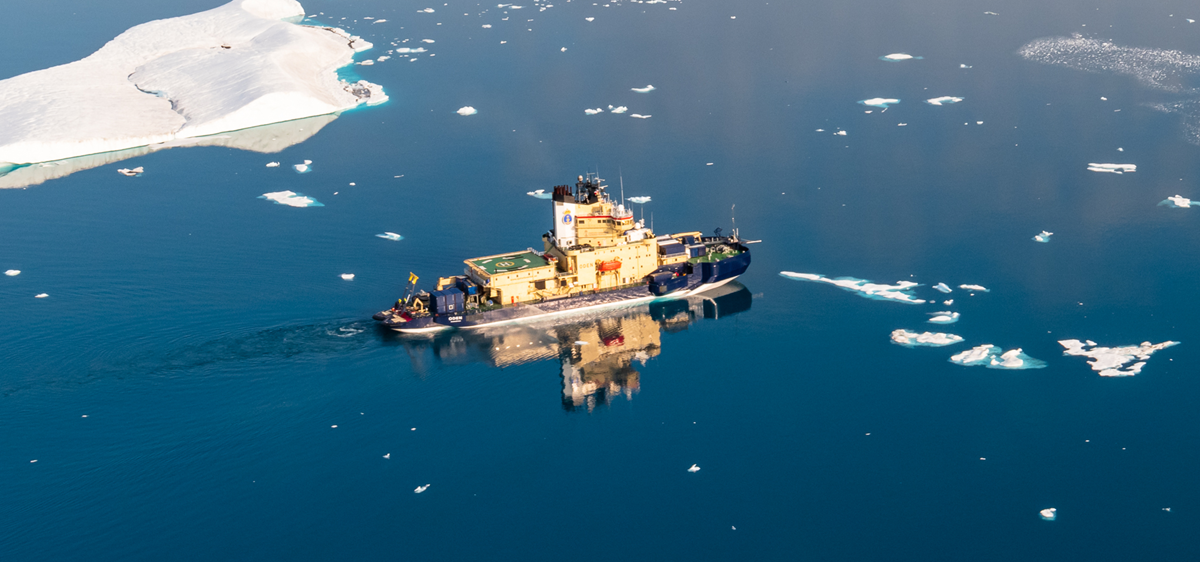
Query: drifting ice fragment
[1044,237]
[426,11]
[590,19]
[694,468]
[879,102]
[942,287]
[944,100]
[979,288]
[487,26]
[564,49]
[640,199]
[636,116]
[127,172]
[40,296]
[1108,361]
[272,164]
[378,21]
[303,168]
[965,66]
[1112,168]
[420,489]
[897,57]
[948,302]
[466,110]
[620,109]
[387,456]
[1177,202]
[540,194]
[900,292]
[943,317]
[648,88]
[12,272]
[348,276]
[990,356]
[1049,514]
[291,199]
[927,339]
[367,62]
[593,111]
[840,133]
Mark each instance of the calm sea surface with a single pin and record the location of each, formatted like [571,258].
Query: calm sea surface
[180,385]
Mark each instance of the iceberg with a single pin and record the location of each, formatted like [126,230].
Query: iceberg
[420,489]
[466,110]
[593,111]
[943,317]
[1112,168]
[879,102]
[1044,237]
[12,272]
[942,287]
[636,116]
[990,356]
[979,288]
[1049,514]
[348,276]
[694,469]
[272,164]
[840,133]
[1176,202]
[131,172]
[291,199]
[619,109]
[40,296]
[640,199]
[927,339]
[1111,361]
[897,57]
[304,167]
[240,65]
[648,88]
[540,194]
[390,236]
[944,100]
[900,292]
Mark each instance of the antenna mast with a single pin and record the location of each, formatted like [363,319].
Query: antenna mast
[733,219]
[622,178]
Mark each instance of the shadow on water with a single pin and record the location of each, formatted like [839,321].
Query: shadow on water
[596,353]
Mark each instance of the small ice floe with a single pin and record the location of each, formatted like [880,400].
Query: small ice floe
[1112,168]
[594,111]
[1049,514]
[387,456]
[564,49]
[589,19]
[879,102]
[130,172]
[348,276]
[1189,20]
[540,194]
[637,116]
[901,124]
[1109,361]
[944,317]
[900,292]
[942,287]
[466,110]
[420,489]
[979,288]
[927,339]
[694,468]
[965,66]
[291,199]
[427,41]
[40,296]
[487,26]
[640,199]
[840,133]
[990,14]
[303,168]
[272,164]
[377,21]
[648,88]
[382,58]
[944,100]
[619,109]
[990,356]
[367,62]
[12,272]
[897,57]
[1044,237]
[1176,202]
[425,11]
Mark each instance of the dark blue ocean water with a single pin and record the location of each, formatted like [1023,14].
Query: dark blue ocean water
[210,342]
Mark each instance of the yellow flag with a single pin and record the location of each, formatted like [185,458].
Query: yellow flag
[412,278]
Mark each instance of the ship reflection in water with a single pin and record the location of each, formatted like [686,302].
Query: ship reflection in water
[597,352]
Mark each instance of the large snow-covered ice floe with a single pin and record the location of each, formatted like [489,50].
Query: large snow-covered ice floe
[927,339]
[880,102]
[1112,168]
[291,199]
[1109,361]
[900,292]
[1177,202]
[240,65]
[992,357]
[944,100]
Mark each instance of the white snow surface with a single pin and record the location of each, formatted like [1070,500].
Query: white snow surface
[1049,514]
[1110,361]
[990,356]
[236,66]
[944,317]
[540,194]
[466,110]
[944,100]
[291,199]
[390,236]
[979,288]
[648,88]
[639,199]
[12,272]
[879,102]
[897,57]
[1044,237]
[1177,202]
[928,339]
[900,292]
[942,287]
[1112,168]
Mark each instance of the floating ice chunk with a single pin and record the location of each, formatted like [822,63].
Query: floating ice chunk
[12,272]
[425,11]
[303,168]
[1049,514]
[378,21]
[487,26]
[131,172]
[1108,361]
[427,41]
[367,62]
[589,19]
[901,124]
[636,116]
[944,100]
[965,66]
[1044,237]
[979,288]
[1190,20]
[1112,168]
[990,356]
[942,287]
[927,339]
[420,489]
[466,110]
[648,88]
[40,296]
[694,468]
[593,111]
[640,199]
[900,292]
[880,102]
[897,57]
[348,276]
[387,456]
[1177,202]
[946,317]
[272,164]
[840,133]
[619,109]
[540,194]
[291,199]
[564,49]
